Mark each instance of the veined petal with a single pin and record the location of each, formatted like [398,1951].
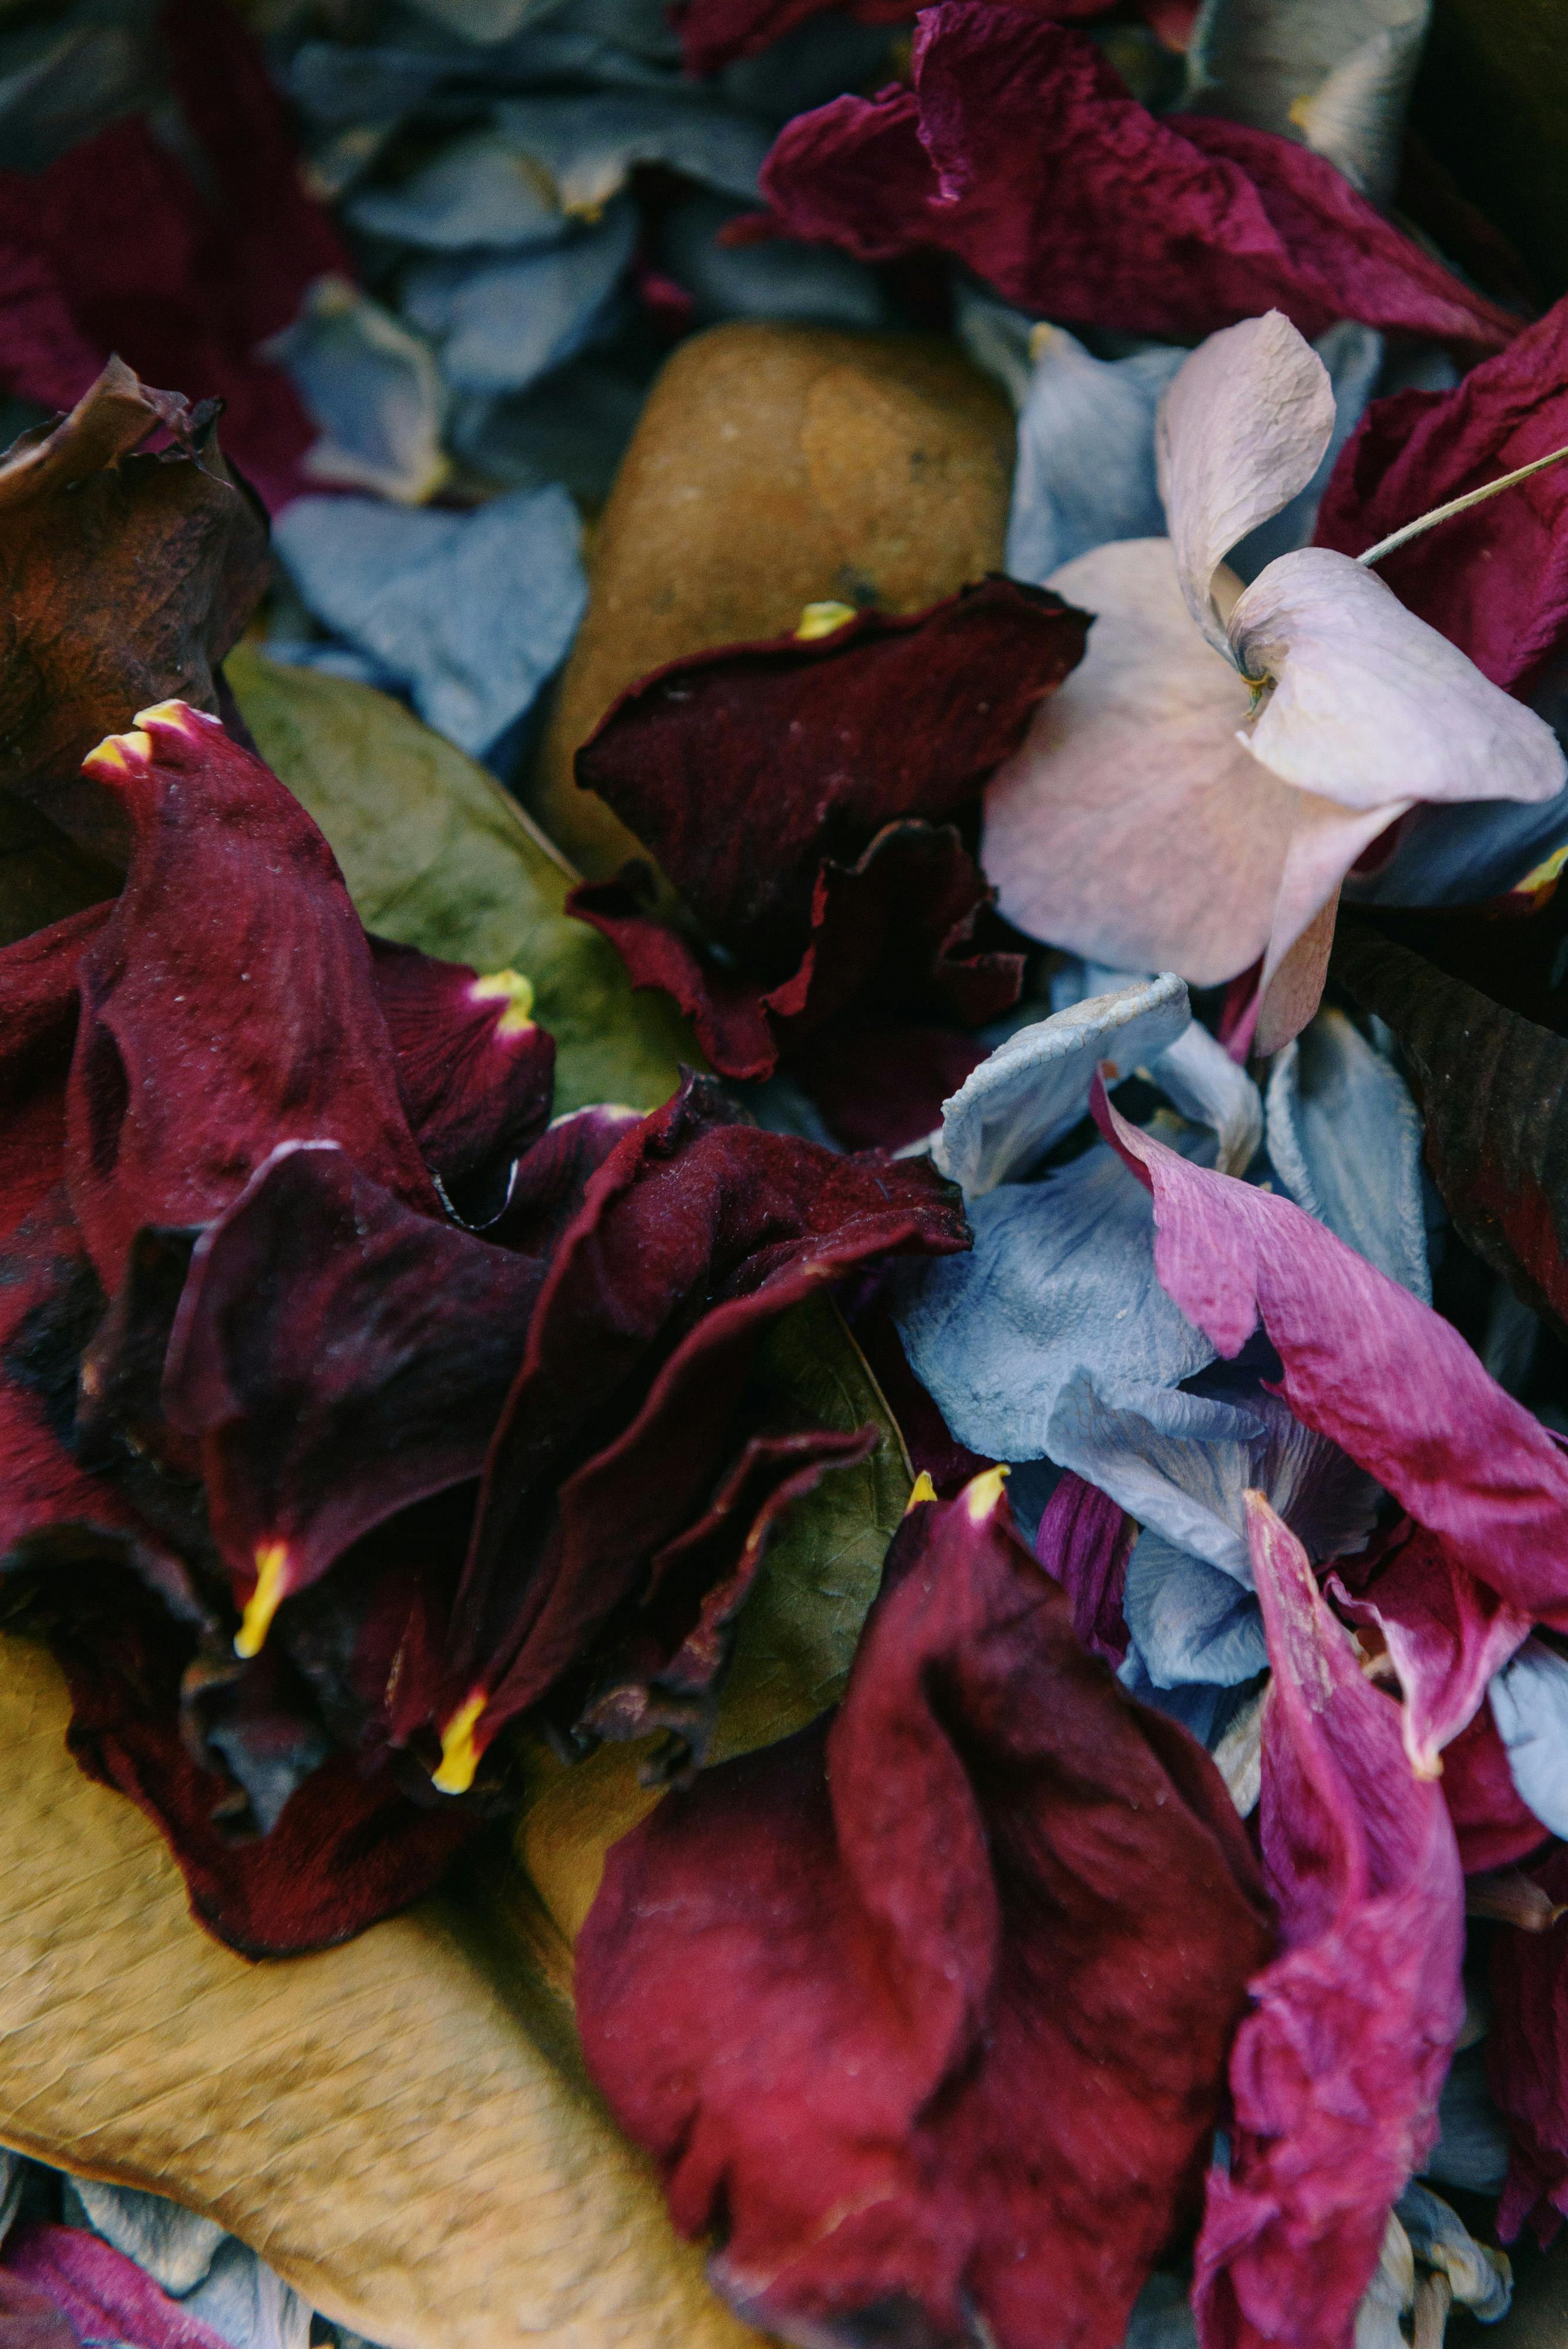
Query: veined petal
[1242,428]
[1445,1634]
[1370,706]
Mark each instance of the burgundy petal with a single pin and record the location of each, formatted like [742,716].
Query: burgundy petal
[880,1081]
[37,1032]
[1335,2075]
[100,2295]
[1083,1543]
[1020,151]
[927,2012]
[1492,1823]
[696,1232]
[227,1003]
[1493,581]
[1527,2060]
[1446,1635]
[475,1071]
[742,769]
[339,1357]
[1368,1365]
[727,1009]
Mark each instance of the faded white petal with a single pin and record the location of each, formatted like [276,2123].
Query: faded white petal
[1242,428]
[1336,73]
[1369,705]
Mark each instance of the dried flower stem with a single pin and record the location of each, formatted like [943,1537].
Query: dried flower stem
[1426,521]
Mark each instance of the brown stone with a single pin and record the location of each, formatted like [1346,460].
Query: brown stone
[775,467]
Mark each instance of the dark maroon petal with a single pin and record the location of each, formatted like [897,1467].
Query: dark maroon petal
[228,1003]
[37,1033]
[926,2013]
[1493,1091]
[934,1450]
[348,1846]
[1083,1543]
[726,1010]
[1527,2060]
[127,576]
[696,1233]
[1335,2075]
[1492,1824]
[1493,581]
[100,2295]
[880,1082]
[667,1674]
[339,1357]
[741,769]
[1020,151]
[30,2319]
[475,1071]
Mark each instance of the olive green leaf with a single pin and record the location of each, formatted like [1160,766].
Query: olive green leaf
[437,855]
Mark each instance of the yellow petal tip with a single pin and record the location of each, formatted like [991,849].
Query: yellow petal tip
[178,714]
[117,752]
[510,989]
[459,1754]
[823,620]
[271,1589]
[921,1491]
[983,1492]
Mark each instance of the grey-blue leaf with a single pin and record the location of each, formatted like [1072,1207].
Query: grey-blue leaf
[1345,1141]
[471,611]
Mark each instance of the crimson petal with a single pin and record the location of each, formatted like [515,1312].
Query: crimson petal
[475,1071]
[1020,151]
[927,2011]
[227,1003]
[37,1031]
[1336,2076]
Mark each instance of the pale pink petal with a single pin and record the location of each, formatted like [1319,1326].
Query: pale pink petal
[1446,1634]
[1324,845]
[1242,428]
[1369,705]
[1368,1365]
[1335,2074]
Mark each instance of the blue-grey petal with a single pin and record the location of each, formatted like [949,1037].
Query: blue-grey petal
[589,145]
[477,190]
[1344,1140]
[500,324]
[1198,1076]
[472,611]
[1476,849]
[1334,73]
[1085,469]
[1061,1281]
[1530,1706]
[1192,1622]
[371,388]
[571,426]
[780,279]
[174,2246]
[1472,2147]
[1035,1086]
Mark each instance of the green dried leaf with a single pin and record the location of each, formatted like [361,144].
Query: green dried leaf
[437,855]
[1493,1090]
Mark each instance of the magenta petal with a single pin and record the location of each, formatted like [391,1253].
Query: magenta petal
[1368,1365]
[1492,1823]
[1020,151]
[1527,2060]
[1083,1543]
[1445,1634]
[1493,581]
[1335,2075]
[101,2293]
[927,2014]
[227,1003]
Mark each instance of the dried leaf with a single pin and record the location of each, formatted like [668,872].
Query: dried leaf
[436,855]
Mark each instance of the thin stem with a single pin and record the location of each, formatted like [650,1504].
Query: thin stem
[1426,521]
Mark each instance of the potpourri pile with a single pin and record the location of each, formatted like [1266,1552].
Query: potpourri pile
[984,1310]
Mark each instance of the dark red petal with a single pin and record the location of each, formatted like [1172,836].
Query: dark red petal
[1083,1543]
[742,769]
[667,1673]
[475,1071]
[1527,2060]
[339,1357]
[1336,2076]
[1021,152]
[37,1033]
[227,1003]
[1493,581]
[926,2013]
[726,1010]
[1492,1824]
[348,1847]
[931,1445]
[695,1234]
[880,1082]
